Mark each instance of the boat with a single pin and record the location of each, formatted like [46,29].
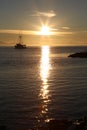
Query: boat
[20,44]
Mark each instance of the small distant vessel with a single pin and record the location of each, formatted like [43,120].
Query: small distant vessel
[20,44]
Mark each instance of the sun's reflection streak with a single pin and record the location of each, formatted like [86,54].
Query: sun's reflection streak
[44,74]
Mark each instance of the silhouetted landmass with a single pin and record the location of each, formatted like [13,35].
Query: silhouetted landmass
[79,55]
[2,127]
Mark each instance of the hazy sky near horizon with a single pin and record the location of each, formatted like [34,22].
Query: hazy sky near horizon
[68,18]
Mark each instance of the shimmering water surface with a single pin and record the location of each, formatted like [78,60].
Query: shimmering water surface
[40,83]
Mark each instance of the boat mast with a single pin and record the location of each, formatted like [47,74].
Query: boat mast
[20,39]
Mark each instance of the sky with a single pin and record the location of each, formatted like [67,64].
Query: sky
[67,19]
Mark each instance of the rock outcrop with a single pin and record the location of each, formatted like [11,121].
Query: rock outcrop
[79,55]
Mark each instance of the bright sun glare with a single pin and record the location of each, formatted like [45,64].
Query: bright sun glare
[45,30]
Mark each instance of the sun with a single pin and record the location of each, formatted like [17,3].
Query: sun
[45,30]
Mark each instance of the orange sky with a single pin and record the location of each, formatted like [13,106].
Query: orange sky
[66,19]
[31,38]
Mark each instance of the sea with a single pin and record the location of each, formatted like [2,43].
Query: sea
[41,83]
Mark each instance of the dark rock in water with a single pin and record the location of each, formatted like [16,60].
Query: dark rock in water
[2,127]
[79,55]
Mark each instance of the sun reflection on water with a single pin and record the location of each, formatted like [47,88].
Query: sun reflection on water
[44,74]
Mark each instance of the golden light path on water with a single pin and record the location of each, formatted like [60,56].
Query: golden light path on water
[44,74]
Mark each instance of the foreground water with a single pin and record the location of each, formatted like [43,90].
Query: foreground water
[40,83]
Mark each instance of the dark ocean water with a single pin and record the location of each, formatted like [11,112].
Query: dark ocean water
[40,83]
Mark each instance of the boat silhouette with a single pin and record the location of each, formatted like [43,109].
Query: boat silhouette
[20,44]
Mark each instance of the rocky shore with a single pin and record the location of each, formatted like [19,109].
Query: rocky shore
[79,55]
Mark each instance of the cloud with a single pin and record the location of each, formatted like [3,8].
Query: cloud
[9,31]
[63,33]
[2,43]
[26,32]
[45,14]
[32,32]
[66,28]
